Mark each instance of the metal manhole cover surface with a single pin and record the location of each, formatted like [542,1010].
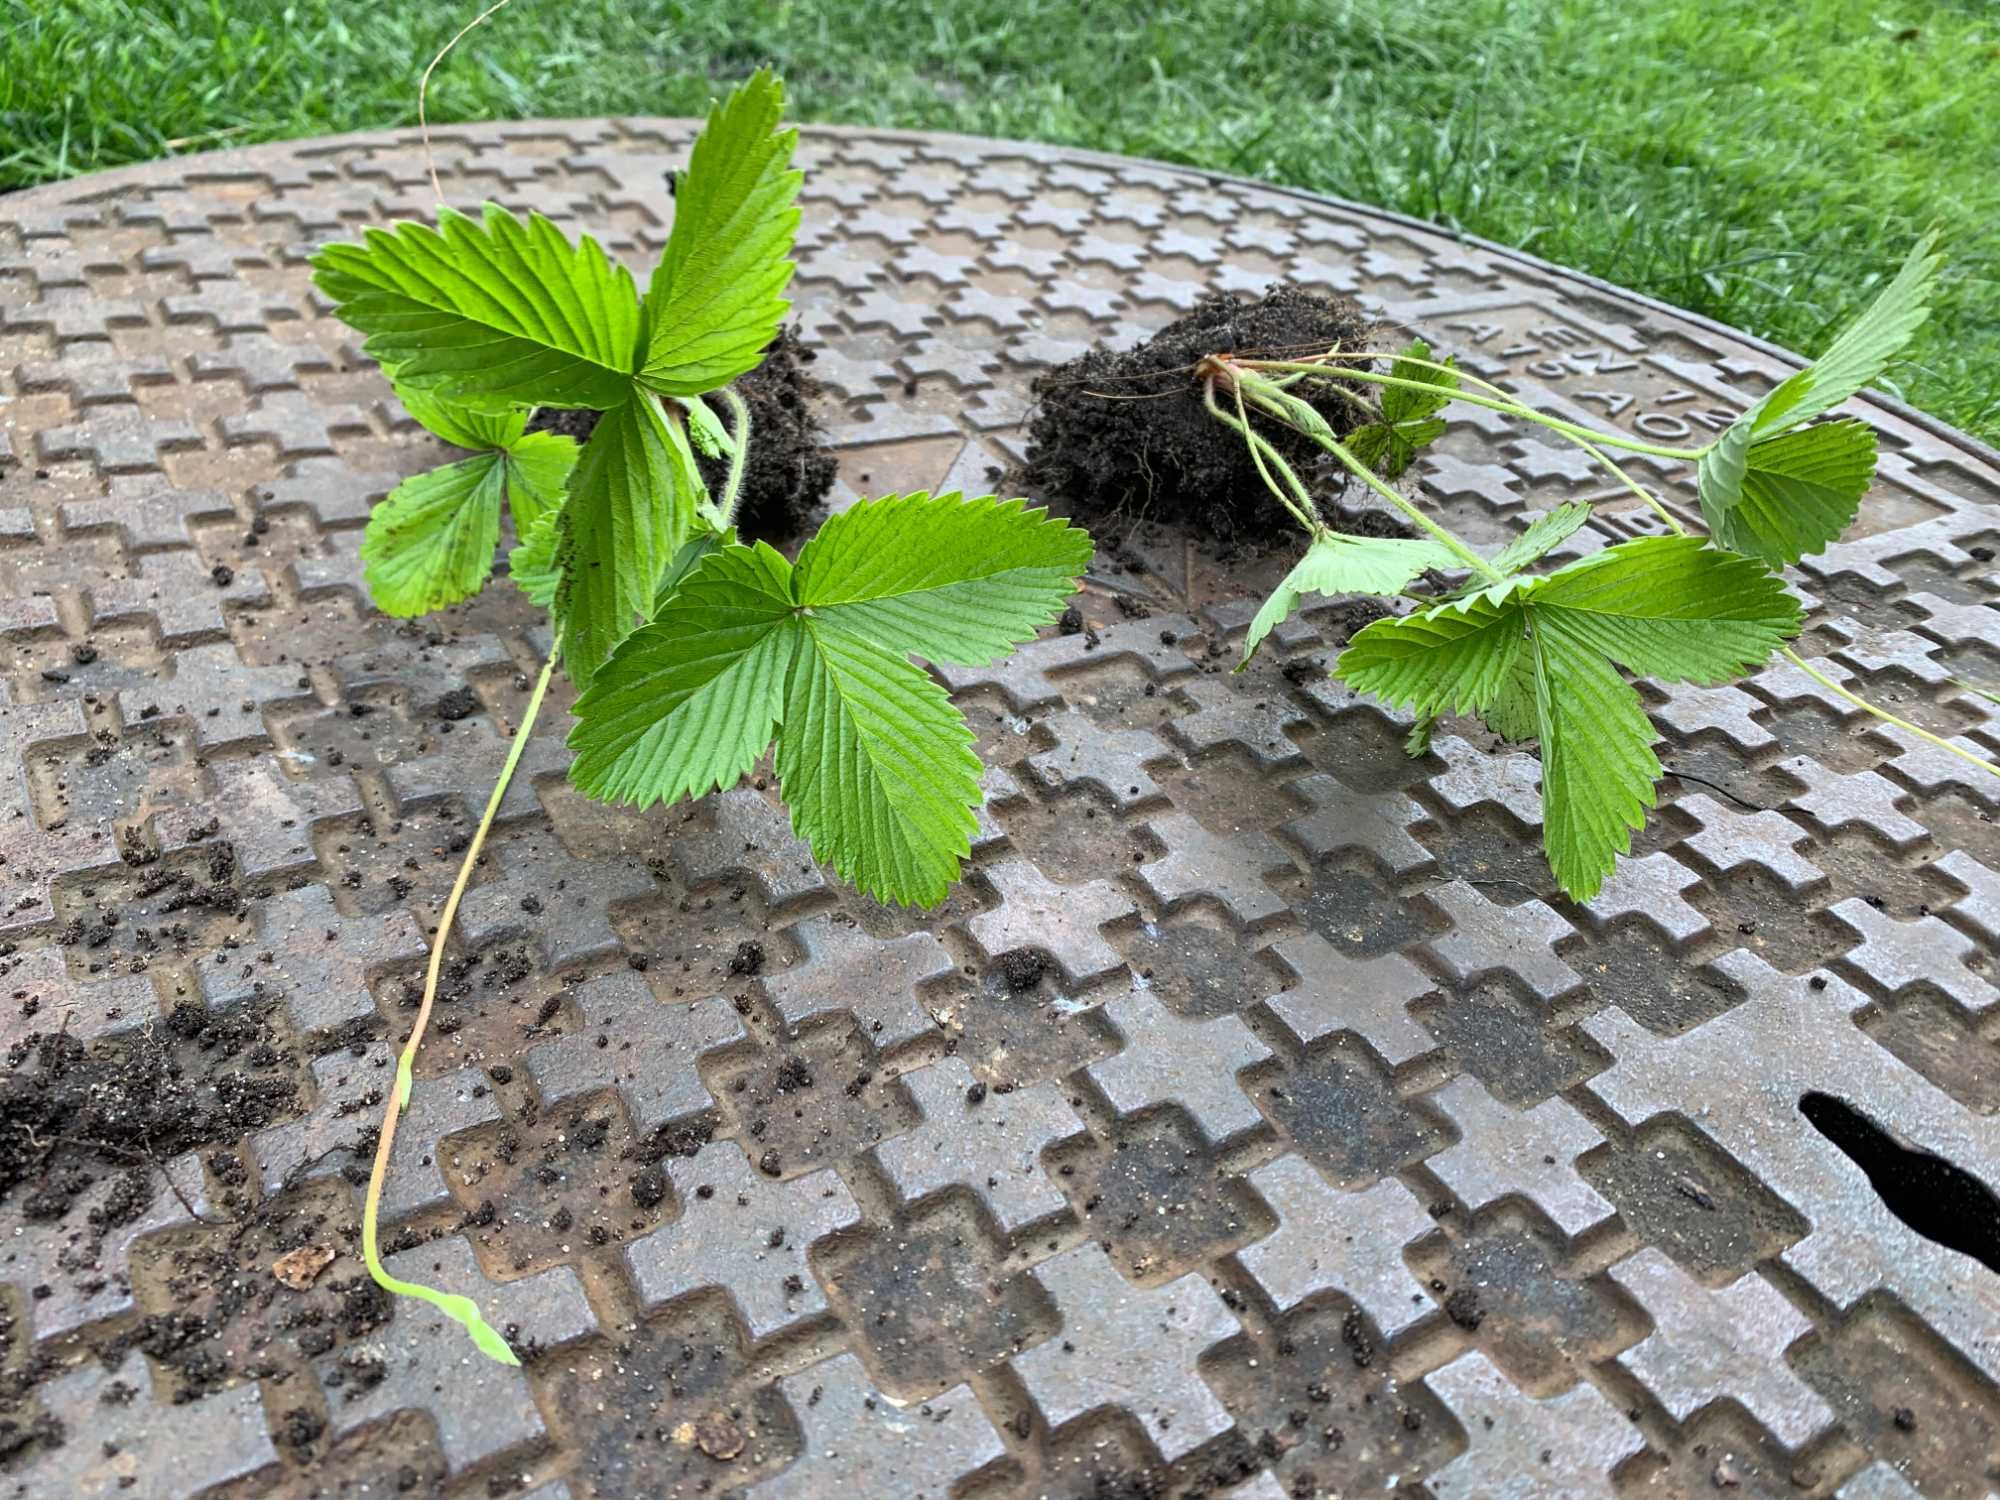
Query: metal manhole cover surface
[1309,1143]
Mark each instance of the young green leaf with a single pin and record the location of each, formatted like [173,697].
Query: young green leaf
[1719,472]
[1390,448]
[872,758]
[715,303]
[1779,493]
[1336,563]
[631,505]
[706,429]
[690,701]
[942,577]
[538,469]
[1545,533]
[1409,420]
[491,314]
[538,462]
[532,563]
[1799,491]
[1863,349]
[431,542]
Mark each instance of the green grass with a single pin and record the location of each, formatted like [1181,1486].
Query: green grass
[1763,164]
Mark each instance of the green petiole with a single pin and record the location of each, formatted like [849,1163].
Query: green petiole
[1510,407]
[1296,414]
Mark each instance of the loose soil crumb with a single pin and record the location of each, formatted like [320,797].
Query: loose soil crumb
[790,467]
[1164,456]
[70,1110]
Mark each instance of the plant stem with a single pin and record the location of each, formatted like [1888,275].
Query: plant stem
[460,1308]
[1306,517]
[1440,534]
[1574,434]
[1884,715]
[739,434]
[1510,406]
[1586,444]
[1631,484]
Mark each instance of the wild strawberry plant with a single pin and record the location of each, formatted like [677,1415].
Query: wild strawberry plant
[1545,655]
[691,651]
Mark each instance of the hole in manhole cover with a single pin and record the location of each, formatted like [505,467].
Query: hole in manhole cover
[1939,1199]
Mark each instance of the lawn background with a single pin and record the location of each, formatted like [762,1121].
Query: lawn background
[1765,165]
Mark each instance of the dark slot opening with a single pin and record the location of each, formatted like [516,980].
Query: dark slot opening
[1939,1199]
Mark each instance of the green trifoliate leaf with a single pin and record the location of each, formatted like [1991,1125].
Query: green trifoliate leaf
[532,564]
[1671,607]
[491,313]
[942,577]
[631,505]
[1772,491]
[1409,420]
[690,700]
[1800,490]
[431,542]
[877,766]
[1863,349]
[1598,767]
[1336,563]
[538,462]
[1542,660]
[715,301]
[872,759]
[1544,534]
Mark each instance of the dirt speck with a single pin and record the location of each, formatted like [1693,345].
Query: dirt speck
[719,1436]
[300,1268]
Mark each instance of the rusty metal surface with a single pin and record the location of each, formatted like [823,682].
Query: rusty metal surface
[1323,1150]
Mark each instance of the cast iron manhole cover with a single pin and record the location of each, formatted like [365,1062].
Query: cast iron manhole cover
[1324,1151]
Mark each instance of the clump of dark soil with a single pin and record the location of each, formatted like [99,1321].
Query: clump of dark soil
[1127,433]
[790,467]
[1022,969]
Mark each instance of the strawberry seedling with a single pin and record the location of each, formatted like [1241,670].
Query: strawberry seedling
[1543,655]
[691,651]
